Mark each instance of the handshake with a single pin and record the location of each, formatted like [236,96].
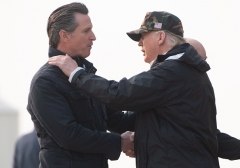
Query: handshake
[127,143]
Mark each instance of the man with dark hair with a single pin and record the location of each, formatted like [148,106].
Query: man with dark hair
[71,127]
[174,100]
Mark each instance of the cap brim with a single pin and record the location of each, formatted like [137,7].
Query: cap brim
[136,35]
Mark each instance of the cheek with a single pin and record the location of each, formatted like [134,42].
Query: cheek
[80,46]
[146,57]
[152,49]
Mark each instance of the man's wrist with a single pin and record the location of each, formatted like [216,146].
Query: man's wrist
[73,73]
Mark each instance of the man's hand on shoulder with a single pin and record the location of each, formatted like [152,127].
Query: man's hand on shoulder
[65,63]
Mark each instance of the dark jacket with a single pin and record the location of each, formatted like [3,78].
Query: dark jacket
[26,151]
[71,126]
[228,146]
[175,105]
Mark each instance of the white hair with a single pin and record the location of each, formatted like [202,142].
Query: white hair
[172,39]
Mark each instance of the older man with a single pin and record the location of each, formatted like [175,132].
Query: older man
[71,127]
[174,100]
[228,146]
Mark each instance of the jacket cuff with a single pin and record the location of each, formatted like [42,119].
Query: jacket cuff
[116,150]
[76,75]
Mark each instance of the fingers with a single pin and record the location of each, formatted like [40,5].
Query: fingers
[130,153]
[65,63]
[56,60]
[126,143]
[132,137]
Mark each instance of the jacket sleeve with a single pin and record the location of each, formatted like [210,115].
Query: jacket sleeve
[56,117]
[119,121]
[229,147]
[143,91]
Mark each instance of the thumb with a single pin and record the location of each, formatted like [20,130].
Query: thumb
[132,137]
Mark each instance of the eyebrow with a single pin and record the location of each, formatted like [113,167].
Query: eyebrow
[87,28]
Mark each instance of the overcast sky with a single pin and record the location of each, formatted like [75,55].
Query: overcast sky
[215,23]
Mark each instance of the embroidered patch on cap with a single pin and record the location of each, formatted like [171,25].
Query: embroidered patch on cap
[158,25]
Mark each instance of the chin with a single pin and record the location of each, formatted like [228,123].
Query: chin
[147,61]
[85,55]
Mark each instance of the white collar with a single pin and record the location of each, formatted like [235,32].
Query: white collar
[175,56]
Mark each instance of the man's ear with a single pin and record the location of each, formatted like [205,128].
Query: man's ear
[161,37]
[64,35]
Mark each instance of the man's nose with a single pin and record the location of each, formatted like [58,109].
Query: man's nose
[93,37]
[140,42]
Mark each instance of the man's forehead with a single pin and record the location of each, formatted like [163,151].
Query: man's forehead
[145,33]
[79,17]
[83,20]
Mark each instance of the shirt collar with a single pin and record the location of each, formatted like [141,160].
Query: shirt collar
[151,63]
[54,52]
[82,62]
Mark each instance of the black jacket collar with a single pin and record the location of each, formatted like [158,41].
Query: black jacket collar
[174,51]
[190,57]
[80,61]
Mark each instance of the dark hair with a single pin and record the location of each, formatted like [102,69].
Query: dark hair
[63,19]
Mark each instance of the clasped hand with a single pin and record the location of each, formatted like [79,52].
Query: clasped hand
[128,143]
